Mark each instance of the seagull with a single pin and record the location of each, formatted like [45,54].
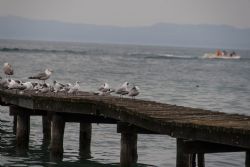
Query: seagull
[8,70]
[107,93]
[66,88]
[4,83]
[57,86]
[28,85]
[12,84]
[43,75]
[123,90]
[44,89]
[104,87]
[134,91]
[74,89]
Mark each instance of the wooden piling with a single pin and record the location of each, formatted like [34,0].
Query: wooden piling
[46,119]
[182,159]
[22,129]
[14,123]
[12,109]
[57,133]
[247,161]
[193,160]
[128,155]
[201,160]
[85,140]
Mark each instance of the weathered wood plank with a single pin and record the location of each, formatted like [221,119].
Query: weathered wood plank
[176,121]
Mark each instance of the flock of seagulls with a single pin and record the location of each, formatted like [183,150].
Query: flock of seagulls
[56,87]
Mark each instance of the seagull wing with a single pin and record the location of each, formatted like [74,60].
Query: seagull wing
[39,76]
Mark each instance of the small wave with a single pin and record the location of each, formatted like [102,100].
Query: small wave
[161,56]
[23,50]
[171,56]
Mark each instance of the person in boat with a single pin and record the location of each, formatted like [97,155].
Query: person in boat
[232,53]
[218,52]
[224,53]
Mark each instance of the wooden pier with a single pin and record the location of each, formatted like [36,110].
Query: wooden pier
[197,131]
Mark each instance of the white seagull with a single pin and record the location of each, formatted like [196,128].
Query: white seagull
[8,70]
[57,86]
[74,89]
[134,91]
[123,90]
[104,87]
[43,75]
[28,85]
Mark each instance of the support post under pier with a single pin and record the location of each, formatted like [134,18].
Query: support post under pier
[85,140]
[13,109]
[128,155]
[247,161]
[201,160]
[14,123]
[57,133]
[22,128]
[182,159]
[46,127]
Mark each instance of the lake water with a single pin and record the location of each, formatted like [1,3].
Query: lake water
[166,74]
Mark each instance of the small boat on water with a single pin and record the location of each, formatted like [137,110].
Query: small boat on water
[221,55]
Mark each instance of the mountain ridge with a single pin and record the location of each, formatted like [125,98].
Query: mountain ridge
[184,35]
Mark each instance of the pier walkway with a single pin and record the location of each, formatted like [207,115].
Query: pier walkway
[197,131]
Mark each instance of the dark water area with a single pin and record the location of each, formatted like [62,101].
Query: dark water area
[166,74]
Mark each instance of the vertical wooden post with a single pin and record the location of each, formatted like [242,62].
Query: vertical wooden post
[128,153]
[14,123]
[46,127]
[23,129]
[13,109]
[57,133]
[85,140]
[182,159]
[247,161]
[201,160]
[193,160]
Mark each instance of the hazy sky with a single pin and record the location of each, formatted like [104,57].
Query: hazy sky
[133,12]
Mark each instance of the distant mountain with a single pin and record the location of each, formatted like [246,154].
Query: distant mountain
[212,36]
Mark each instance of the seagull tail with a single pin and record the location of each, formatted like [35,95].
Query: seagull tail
[32,78]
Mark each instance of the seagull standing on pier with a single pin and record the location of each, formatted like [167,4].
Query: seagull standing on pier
[8,70]
[74,89]
[43,75]
[134,92]
[28,85]
[104,87]
[123,90]
[57,86]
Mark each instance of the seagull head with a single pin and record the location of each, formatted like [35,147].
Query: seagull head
[137,87]
[125,84]
[48,70]
[6,64]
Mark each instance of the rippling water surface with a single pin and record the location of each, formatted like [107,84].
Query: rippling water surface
[166,74]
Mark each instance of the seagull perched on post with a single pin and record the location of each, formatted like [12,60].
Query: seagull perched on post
[8,70]
[43,75]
